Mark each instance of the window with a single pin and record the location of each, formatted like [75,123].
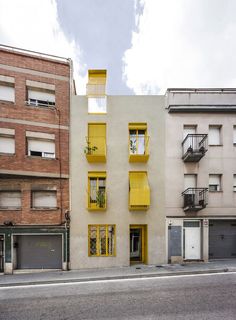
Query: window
[10,200]
[234,186]
[7,89]
[7,141]
[189,130]
[190,181]
[97,190]
[44,199]
[96,91]
[40,144]
[139,191]
[138,142]
[97,104]
[95,148]
[101,240]
[40,94]
[214,137]
[215,182]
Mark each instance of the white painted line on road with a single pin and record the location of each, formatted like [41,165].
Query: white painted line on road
[113,280]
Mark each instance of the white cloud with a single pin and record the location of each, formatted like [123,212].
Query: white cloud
[34,25]
[182,44]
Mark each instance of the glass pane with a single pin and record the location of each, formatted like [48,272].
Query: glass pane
[93,190]
[133,141]
[141,142]
[102,236]
[93,241]
[111,243]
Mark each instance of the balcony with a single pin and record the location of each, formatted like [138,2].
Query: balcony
[139,148]
[95,149]
[194,199]
[99,202]
[194,147]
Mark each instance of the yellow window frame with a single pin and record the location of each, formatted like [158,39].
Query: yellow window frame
[98,240]
[96,176]
[135,156]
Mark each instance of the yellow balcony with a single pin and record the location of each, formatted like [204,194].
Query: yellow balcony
[95,149]
[97,202]
[139,191]
[138,148]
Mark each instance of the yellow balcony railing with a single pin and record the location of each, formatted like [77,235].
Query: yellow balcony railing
[95,149]
[138,148]
[99,203]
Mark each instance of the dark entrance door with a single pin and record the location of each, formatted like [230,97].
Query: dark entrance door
[222,239]
[138,243]
[39,252]
[1,253]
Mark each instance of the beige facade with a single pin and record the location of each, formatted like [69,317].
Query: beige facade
[211,113]
[121,111]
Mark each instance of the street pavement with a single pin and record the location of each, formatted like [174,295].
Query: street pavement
[206,296]
[137,271]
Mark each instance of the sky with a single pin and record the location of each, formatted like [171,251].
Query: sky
[146,46]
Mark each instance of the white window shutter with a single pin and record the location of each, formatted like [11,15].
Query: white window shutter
[7,93]
[43,146]
[188,130]
[214,179]
[190,181]
[41,95]
[214,136]
[10,199]
[7,144]
[44,199]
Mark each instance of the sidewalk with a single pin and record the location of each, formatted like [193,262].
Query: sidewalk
[137,271]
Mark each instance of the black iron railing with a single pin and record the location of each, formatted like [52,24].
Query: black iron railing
[194,147]
[195,199]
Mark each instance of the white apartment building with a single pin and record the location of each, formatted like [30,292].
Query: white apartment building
[200,174]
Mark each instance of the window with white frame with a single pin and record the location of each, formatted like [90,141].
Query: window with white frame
[215,182]
[7,141]
[40,94]
[214,137]
[44,199]
[7,89]
[97,104]
[234,186]
[234,135]
[40,144]
[10,200]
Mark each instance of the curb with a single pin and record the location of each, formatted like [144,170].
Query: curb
[118,277]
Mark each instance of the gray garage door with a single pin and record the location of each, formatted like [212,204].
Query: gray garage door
[222,239]
[39,252]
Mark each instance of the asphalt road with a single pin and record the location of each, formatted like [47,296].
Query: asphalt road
[183,297]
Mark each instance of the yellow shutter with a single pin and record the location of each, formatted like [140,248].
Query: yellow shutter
[139,189]
[97,137]
[96,85]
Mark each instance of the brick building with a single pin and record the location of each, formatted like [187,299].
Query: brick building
[35,91]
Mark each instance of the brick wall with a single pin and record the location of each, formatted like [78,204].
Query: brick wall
[50,72]
[28,216]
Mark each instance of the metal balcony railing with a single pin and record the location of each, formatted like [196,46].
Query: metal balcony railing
[100,203]
[194,147]
[195,199]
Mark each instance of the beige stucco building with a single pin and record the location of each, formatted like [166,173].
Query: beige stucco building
[117,178]
[200,175]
